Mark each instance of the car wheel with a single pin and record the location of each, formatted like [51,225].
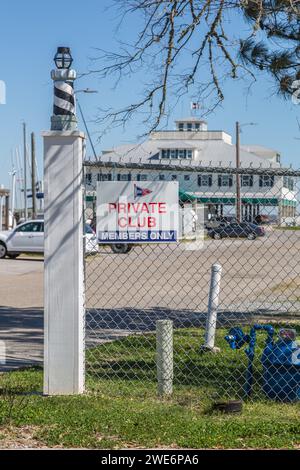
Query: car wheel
[217,236]
[121,248]
[3,250]
[251,236]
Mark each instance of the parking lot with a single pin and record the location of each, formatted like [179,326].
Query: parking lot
[126,293]
[264,273]
[21,310]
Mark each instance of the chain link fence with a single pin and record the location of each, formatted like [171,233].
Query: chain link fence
[234,336]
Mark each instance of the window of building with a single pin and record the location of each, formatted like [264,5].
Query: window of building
[197,126]
[180,127]
[142,177]
[247,180]
[187,177]
[174,177]
[205,180]
[124,177]
[177,153]
[88,178]
[288,183]
[162,177]
[266,181]
[104,177]
[189,126]
[225,180]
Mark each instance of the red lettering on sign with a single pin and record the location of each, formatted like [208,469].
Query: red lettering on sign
[137,222]
[162,209]
[112,206]
[138,208]
[151,222]
[122,222]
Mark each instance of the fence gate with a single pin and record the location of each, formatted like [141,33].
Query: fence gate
[254,234]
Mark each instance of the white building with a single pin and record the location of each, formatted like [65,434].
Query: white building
[204,162]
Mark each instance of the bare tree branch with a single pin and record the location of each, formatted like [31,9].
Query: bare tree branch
[187,46]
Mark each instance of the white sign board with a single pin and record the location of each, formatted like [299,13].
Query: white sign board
[137,212]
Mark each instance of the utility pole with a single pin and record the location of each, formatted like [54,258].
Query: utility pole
[7,212]
[33,178]
[238,178]
[25,172]
[87,131]
[1,208]
[13,194]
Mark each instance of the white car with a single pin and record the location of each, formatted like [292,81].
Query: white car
[28,237]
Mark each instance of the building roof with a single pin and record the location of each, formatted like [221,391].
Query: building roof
[191,119]
[4,192]
[182,144]
[261,150]
[210,153]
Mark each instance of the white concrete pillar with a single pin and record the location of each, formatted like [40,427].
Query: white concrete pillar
[63,278]
[164,356]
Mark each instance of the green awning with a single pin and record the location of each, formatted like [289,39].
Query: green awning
[90,198]
[245,200]
[288,203]
[183,197]
[186,197]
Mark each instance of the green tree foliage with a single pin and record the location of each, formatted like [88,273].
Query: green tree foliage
[274,45]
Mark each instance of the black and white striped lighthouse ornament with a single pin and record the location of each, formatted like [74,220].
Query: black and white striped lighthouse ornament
[64,108]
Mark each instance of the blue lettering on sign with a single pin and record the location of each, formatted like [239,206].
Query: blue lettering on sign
[165,236]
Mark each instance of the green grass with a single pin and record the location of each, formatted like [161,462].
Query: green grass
[296,227]
[121,408]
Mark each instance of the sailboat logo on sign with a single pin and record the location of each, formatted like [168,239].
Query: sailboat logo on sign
[140,192]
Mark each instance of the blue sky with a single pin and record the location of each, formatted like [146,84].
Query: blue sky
[30,32]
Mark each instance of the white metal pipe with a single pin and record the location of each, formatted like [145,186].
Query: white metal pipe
[213,304]
[164,356]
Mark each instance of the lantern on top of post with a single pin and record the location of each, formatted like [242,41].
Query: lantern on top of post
[64,109]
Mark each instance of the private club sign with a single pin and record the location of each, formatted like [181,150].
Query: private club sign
[137,212]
